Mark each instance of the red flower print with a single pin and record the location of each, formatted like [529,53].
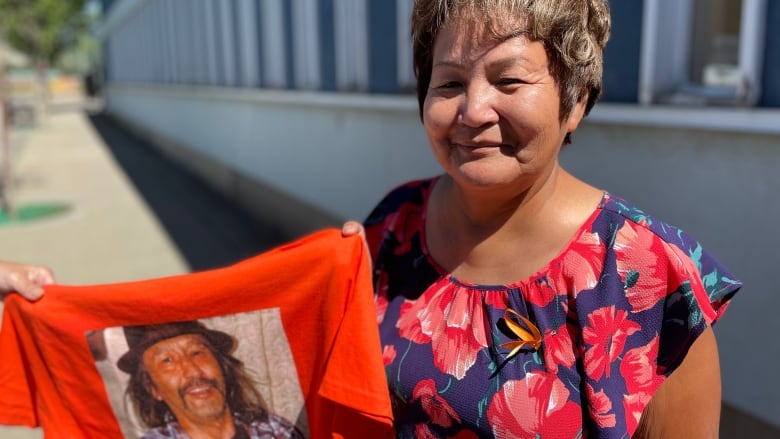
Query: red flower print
[380,303]
[496,299]
[634,404]
[606,334]
[558,349]
[639,368]
[388,354]
[437,409]
[541,295]
[581,265]
[452,320]
[637,250]
[421,431]
[538,403]
[600,407]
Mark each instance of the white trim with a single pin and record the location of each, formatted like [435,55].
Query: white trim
[405,72]
[745,120]
[738,119]
[350,23]
[305,98]
[305,44]
[665,47]
[274,62]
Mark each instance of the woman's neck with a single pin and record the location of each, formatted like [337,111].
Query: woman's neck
[483,236]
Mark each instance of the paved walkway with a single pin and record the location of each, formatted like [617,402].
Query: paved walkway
[134,215]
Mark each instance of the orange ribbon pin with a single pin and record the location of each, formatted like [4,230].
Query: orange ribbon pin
[526,331]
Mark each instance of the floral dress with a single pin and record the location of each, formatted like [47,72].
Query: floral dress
[615,311]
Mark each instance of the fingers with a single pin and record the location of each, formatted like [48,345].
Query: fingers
[353,228]
[27,280]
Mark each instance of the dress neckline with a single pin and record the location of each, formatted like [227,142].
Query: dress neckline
[512,285]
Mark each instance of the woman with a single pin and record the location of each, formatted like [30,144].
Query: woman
[515,300]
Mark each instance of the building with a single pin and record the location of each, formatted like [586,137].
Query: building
[309,101]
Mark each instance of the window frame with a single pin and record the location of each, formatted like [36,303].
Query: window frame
[664,61]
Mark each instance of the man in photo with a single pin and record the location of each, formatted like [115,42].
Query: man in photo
[184,383]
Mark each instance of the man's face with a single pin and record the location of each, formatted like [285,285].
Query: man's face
[186,376]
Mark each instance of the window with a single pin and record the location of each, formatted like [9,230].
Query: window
[702,52]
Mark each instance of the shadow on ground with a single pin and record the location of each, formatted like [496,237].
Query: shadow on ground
[209,230]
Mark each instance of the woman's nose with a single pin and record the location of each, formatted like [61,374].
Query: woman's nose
[477,108]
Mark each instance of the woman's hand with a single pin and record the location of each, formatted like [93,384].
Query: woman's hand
[26,280]
[353,228]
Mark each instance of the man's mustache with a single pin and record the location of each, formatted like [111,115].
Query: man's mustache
[197,382]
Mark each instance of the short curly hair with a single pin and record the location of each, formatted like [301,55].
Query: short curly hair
[574,34]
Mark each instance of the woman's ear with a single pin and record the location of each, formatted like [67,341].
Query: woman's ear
[577,112]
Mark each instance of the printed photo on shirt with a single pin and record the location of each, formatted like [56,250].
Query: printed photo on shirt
[231,374]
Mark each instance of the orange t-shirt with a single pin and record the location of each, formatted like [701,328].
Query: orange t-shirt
[320,285]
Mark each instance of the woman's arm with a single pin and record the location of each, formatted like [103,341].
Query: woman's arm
[26,280]
[688,403]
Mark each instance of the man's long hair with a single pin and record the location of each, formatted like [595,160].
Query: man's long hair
[241,396]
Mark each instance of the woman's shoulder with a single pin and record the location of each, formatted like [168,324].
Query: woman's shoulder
[617,210]
[638,238]
[412,194]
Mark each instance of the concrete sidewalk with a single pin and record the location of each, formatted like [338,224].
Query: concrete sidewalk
[109,235]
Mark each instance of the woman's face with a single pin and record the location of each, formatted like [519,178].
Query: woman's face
[492,109]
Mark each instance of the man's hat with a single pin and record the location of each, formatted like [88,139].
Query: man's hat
[140,338]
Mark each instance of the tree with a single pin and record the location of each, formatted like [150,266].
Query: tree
[42,29]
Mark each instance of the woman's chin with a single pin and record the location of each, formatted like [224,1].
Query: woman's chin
[486,173]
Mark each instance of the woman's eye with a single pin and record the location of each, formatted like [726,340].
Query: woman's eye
[510,81]
[450,84]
